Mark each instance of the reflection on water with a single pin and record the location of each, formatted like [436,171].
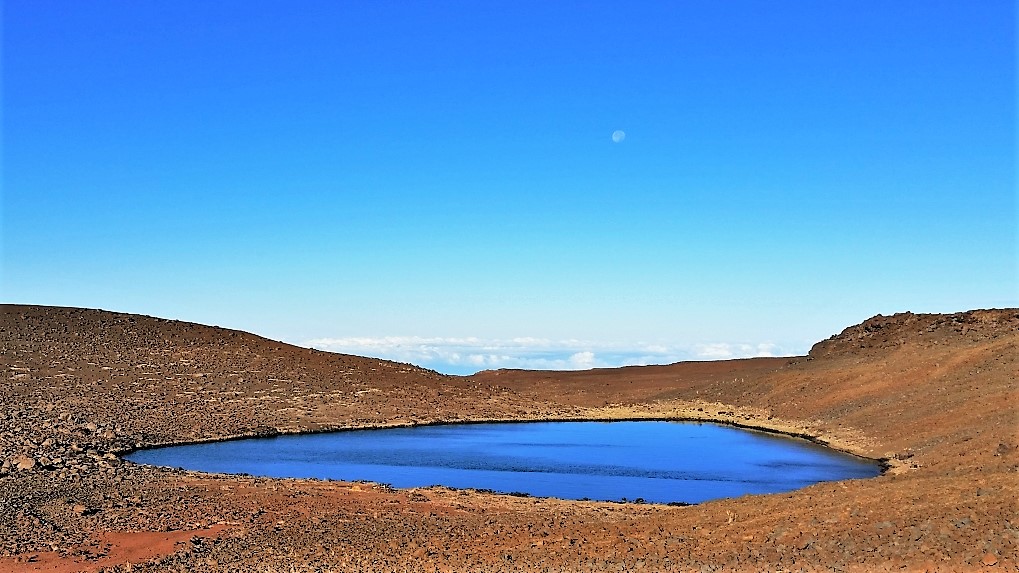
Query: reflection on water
[655,461]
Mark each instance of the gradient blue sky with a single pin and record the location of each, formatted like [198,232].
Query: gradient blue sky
[437,182]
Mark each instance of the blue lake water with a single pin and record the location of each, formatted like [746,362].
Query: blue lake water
[655,461]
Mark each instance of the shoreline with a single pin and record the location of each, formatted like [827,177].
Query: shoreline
[781,429]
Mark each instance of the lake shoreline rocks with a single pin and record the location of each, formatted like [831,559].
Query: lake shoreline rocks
[933,395]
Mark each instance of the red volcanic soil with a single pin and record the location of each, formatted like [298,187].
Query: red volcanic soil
[108,549]
[935,396]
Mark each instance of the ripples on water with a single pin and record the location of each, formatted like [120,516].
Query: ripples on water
[655,461]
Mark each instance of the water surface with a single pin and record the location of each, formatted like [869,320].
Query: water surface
[654,461]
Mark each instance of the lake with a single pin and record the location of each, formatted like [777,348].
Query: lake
[654,461]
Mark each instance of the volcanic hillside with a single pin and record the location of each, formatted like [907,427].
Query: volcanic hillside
[933,395]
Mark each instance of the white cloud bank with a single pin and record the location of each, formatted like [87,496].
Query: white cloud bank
[469,355]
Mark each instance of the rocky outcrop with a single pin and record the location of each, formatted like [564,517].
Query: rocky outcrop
[906,328]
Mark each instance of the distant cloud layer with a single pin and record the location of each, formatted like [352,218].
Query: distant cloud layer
[469,355]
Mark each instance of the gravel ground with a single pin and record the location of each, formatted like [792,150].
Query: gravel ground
[935,396]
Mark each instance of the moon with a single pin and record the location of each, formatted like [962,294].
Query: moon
[618,135]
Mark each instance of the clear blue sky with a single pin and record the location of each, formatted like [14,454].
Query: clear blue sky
[438,181]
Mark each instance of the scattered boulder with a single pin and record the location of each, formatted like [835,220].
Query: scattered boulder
[23,462]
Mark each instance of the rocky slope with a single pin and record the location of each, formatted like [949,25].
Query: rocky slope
[935,395]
